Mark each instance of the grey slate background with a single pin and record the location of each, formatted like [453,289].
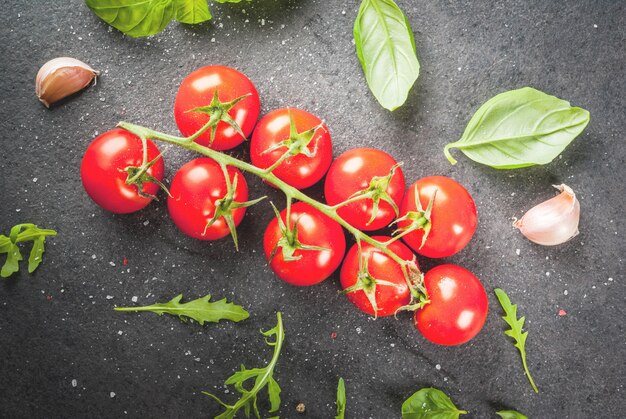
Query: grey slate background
[58,324]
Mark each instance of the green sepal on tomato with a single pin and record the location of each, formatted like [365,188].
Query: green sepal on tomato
[371,174]
[373,281]
[457,309]
[295,144]
[110,161]
[196,192]
[448,227]
[307,249]
[221,97]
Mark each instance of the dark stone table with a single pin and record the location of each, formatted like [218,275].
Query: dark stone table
[64,352]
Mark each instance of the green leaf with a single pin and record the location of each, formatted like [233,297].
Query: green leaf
[520,128]
[511,414]
[135,17]
[430,403]
[9,245]
[516,329]
[192,11]
[12,264]
[386,49]
[200,310]
[341,399]
[262,377]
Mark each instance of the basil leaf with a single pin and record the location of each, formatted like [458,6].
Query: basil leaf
[386,49]
[192,11]
[200,310]
[135,17]
[430,403]
[510,414]
[520,128]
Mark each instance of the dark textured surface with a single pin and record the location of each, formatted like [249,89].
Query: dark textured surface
[58,324]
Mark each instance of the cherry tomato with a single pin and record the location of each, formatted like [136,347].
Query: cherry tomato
[314,229]
[194,190]
[298,170]
[103,176]
[457,309]
[453,219]
[388,297]
[352,172]
[197,90]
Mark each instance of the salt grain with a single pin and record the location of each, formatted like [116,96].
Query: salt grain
[74,382]
[112,394]
[134,299]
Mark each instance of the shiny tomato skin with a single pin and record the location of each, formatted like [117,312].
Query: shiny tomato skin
[299,171]
[314,229]
[380,266]
[198,88]
[453,218]
[194,190]
[457,309]
[102,175]
[351,172]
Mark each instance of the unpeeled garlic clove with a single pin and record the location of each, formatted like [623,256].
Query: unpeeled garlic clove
[554,221]
[62,77]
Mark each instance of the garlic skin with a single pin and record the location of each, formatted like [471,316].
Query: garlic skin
[554,221]
[62,77]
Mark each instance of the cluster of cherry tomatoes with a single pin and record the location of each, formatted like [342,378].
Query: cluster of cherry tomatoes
[436,217]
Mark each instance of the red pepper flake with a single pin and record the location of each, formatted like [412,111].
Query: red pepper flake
[333,335]
[49,297]
[125,262]
[562,312]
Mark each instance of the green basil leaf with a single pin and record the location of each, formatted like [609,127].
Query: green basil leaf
[192,11]
[520,128]
[386,49]
[510,414]
[135,17]
[430,403]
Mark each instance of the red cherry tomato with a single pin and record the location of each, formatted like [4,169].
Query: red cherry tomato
[457,309]
[352,172]
[299,170]
[453,218]
[197,90]
[102,171]
[313,229]
[389,298]
[194,190]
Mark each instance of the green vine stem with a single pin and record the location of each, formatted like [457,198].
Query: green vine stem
[412,275]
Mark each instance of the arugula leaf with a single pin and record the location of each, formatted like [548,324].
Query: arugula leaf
[262,377]
[520,128]
[430,403]
[386,49]
[9,245]
[341,399]
[135,17]
[516,329]
[510,414]
[192,11]
[200,310]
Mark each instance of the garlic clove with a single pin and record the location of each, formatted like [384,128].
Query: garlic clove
[62,77]
[554,221]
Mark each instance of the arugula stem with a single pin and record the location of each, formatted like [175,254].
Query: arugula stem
[289,191]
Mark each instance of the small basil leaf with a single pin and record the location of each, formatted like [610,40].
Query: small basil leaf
[430,403]
[135,17]
[192,11]
[386,49]
[520,128]
[510,414]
